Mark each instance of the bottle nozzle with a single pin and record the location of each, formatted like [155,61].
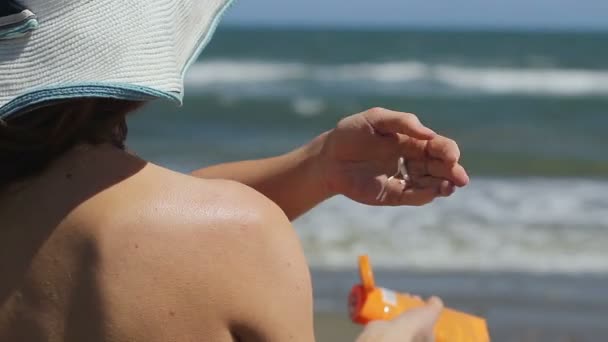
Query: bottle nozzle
[366,274]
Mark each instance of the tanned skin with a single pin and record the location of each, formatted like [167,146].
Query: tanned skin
[104,246]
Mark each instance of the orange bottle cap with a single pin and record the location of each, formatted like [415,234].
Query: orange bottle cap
[356,300]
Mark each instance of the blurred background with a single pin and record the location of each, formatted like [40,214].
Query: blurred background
[521,85]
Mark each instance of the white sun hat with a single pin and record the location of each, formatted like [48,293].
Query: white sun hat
[137,50]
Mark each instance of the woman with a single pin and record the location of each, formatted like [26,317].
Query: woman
[97,244]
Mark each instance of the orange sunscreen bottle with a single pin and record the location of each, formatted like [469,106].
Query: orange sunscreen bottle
[368,303]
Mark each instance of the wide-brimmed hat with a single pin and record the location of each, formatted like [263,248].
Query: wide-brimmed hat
[137,50]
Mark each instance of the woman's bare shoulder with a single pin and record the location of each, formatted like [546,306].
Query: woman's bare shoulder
[134,251]
[163,205]
[190,250]
[160,197]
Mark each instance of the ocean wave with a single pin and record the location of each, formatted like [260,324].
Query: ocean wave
[306,106]
[529,225]
[278,78]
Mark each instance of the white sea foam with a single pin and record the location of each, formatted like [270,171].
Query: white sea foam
[519,225]
[201,74]
[250,75]
[534,81]
[305,106]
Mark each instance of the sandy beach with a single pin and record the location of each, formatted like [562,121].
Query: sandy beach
[518,307]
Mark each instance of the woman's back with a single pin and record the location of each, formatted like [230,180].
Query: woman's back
[51,226]
[86,247]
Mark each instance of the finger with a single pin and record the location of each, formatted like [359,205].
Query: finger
[423,319]
[443,187]
[436,302]
[413,148]
[429,316]
[438,169]
[397,193]
[418,197]
[447,189]
[429,313]
[444,149]
[384,147]
[390,122]
[391,191]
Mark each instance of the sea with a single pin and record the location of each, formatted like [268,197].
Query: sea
[528,109]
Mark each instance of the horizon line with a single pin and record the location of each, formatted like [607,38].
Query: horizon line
[424,28]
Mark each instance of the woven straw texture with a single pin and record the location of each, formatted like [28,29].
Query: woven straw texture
[147,43]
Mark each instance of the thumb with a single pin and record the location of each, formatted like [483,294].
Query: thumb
[422,320]
[390,122]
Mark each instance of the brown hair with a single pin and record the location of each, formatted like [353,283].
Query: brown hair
[30,141]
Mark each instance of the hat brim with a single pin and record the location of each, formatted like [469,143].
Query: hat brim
[144,57]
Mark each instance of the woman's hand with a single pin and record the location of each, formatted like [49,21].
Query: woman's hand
[355,159]
[362,152]
[413,326]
